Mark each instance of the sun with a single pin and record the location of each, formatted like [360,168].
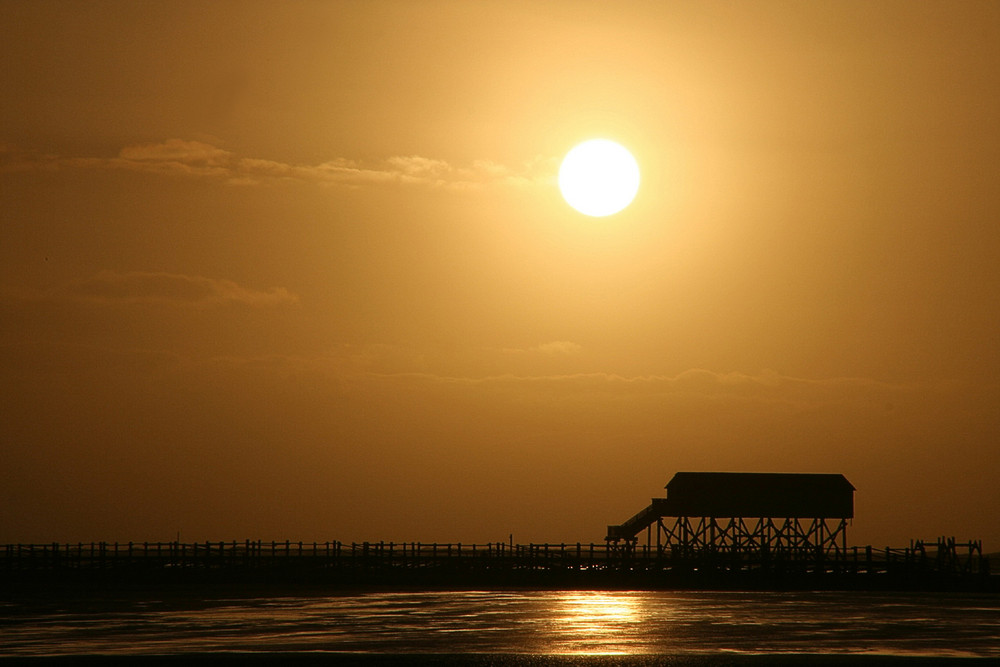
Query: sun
[599,177]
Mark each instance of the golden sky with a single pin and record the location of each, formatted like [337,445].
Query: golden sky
[301,270]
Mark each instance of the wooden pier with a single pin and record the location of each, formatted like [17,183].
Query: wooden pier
[713,530]
[941,564]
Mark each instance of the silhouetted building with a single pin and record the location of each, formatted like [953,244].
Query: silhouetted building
[740,512]
[755,494]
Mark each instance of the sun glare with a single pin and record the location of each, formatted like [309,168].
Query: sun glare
[597,623]
[599,177]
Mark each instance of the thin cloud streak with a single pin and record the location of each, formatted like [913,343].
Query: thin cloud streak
[385,363]
[553,348]
[195,159]
[696,377]
[134,287]
[766,387]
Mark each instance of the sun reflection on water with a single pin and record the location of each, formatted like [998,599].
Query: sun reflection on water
[517,623]
[596,623]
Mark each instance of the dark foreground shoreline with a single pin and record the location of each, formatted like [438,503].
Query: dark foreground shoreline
[279,582]
[308,659]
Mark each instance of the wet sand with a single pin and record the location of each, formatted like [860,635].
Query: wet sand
[445,660]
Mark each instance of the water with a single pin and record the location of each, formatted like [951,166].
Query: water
[515,623]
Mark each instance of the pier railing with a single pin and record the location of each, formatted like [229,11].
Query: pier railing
[945,555]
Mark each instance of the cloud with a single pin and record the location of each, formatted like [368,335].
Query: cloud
[418,369]
[765,387]
[419,167]
[559,347]
[14,159]
[150,287]
[177,151]
[554,348]
[421,369]
[179,157]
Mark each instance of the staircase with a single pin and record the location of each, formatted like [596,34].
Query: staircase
[636,524]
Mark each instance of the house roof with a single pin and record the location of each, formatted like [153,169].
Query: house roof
[748,494]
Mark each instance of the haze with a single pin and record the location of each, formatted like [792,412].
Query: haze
[301,270]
